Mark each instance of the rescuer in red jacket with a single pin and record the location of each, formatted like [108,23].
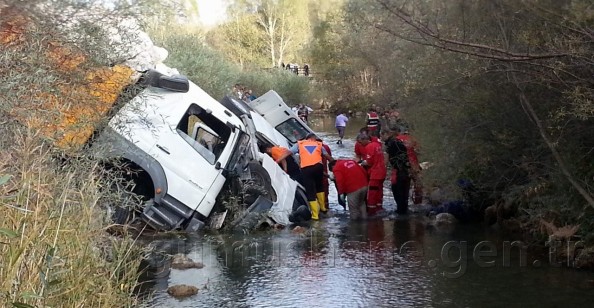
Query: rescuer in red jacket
[360,148]
[351,180]
[376,169]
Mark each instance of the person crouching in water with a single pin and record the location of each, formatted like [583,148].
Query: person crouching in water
[284,157]
[376,168]
[351,180]
[311,152]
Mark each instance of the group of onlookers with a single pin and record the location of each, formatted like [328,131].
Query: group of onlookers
[302,111]
[243,93]
[295,68]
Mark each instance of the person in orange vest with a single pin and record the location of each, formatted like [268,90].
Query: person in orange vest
[351,180]
[376,168]
[373,122]
[284,157]
[311,153]
[412,151]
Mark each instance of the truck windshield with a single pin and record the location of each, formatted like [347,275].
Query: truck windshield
[292,130]
[241,154]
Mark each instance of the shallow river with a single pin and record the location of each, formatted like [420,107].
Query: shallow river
[390,262]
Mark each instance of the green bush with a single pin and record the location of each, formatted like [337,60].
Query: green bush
[216,75]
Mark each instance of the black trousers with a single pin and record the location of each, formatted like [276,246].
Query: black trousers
[294,171]
[313,176]
[400,190]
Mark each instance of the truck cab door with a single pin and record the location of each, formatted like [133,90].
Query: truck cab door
[189,151]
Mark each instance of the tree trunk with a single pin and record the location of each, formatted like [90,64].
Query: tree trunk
[534,116]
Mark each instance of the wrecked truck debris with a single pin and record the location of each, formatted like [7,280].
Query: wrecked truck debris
[186,149]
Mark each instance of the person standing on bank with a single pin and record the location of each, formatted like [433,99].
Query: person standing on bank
[400,178]
[311,153]
[341,122]
[376,168]
[351,180]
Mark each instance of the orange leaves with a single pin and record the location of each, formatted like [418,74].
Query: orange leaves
[106,83]
[64,58]
[70,114]
[12,29]
[68,107]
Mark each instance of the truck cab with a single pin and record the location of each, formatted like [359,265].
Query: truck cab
[183,147]
[274,110]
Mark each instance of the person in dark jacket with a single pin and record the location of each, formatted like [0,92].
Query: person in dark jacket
[400,178]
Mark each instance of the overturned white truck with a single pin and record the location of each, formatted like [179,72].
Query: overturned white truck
[276,112]
[182,150]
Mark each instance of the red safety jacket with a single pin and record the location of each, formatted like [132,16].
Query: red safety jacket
[349,176]
[359,150]
[374,155]
[373,120]
[411,150]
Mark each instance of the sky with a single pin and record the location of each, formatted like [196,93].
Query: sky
[212,12]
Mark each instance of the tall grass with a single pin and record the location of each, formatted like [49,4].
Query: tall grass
[54,251]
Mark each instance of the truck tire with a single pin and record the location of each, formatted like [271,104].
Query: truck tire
[122,215]
[260,184]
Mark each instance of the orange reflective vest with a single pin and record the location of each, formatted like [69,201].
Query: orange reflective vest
[310,153]
[277,152]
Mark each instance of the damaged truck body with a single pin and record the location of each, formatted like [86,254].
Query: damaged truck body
[184,151]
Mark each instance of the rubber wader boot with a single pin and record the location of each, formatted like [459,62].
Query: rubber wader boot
[315,209]
[321,196]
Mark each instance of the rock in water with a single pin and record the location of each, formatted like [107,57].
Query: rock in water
[445,219]
[181,261]
[182,290]
[299,230]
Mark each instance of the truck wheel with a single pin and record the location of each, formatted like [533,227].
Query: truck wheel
[260,184]
[122,215]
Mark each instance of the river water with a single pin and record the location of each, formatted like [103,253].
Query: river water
[389,262]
